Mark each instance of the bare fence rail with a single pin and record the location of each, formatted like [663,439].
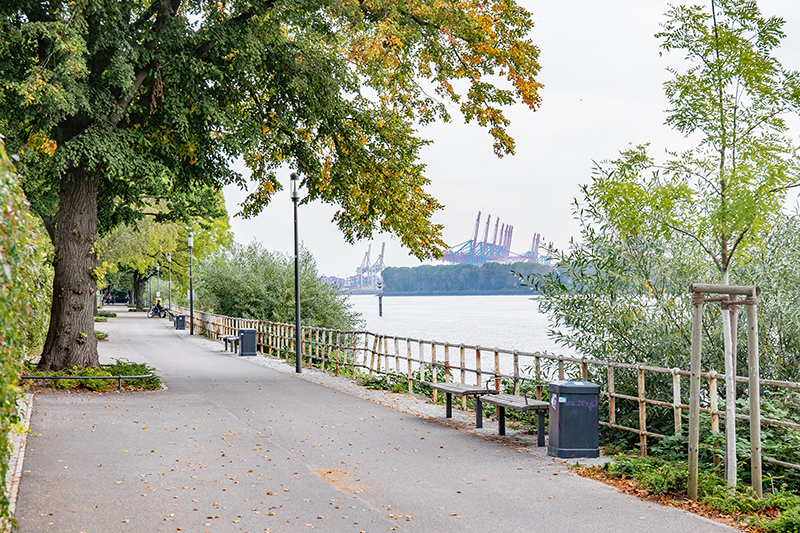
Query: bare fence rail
[416,360]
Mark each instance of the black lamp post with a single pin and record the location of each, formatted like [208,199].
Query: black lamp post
[191,288]
[169,288]
[297,333]
[158,281]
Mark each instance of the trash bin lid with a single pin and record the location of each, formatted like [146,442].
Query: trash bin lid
[573,387]
[246,329]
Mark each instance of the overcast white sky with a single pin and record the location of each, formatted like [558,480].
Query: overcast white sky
[603,89]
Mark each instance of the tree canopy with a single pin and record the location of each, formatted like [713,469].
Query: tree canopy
[732,99]
[112,104]
[251,282]
[137,252]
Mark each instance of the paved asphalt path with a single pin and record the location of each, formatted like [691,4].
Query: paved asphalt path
[233,446]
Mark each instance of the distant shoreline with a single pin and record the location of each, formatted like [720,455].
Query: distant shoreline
[524,292]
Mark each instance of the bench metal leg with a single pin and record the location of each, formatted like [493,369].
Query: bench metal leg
[501,419]
[478,412]
[448,405]
[540,429]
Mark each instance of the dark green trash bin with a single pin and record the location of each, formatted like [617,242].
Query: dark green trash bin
[180,321]
[574,419]
[247,342]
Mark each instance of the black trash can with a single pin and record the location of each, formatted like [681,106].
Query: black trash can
[180,321]
[247,342]
[574,419]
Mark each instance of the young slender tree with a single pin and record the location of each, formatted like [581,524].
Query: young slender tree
[732,98]
[113,103]
[721,196]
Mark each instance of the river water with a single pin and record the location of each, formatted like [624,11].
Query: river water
[512,322]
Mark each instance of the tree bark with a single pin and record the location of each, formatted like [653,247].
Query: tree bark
[71,340]
[138,290]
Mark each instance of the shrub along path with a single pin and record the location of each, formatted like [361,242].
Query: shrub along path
[235,446]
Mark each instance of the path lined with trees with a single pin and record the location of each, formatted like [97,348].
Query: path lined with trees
[232,445]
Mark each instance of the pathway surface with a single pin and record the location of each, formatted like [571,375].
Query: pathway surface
[236,446]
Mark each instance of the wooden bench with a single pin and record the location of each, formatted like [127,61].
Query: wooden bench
[462,389]
[519,403]
[232,340]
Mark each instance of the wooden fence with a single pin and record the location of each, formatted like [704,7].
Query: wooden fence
[414,360]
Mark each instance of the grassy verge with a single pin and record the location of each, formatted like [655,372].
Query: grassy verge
[120,367]
[665,481]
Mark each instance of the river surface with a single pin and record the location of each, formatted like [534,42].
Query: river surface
[512,322]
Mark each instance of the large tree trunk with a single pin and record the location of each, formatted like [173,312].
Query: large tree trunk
[71,340]
[138,290]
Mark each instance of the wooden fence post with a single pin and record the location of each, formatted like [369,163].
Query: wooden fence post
[433,371]
[396,355]
[694,393]
[478,366]
[497,369]
[538,366]
[372,355]
[447,363]
[462,355]
[676,401]
[755,394]
[612,399]
[642,412]
[408,360]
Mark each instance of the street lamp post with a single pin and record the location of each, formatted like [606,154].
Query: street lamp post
[297,328]
[169,287]
[380,298]
[191,287]
[158,281]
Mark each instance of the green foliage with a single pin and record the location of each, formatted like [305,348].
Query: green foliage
[787,522]
[660,476]
[123,367]
[251,282]
[120,367]
[24,301]
[105,314]
[142,93]
[489,278]
[649,230]
[723,194]
[140,101]
[132,255]
[743,501]
[655,475]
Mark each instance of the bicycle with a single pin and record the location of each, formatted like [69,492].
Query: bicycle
[160,312]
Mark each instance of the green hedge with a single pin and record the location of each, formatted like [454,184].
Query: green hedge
[24,305]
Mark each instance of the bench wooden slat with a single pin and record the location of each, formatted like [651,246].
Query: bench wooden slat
[462,389]
[232,339]
[510,401]
[459,389]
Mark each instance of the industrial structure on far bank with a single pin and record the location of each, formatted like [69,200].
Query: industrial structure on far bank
[474,251]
